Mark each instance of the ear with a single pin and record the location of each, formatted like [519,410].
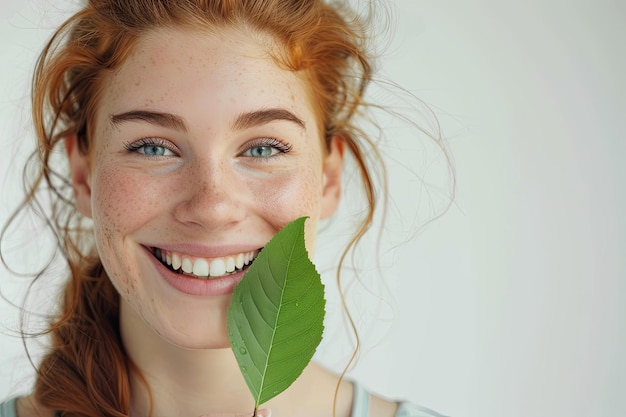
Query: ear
[333,167]
[80,175]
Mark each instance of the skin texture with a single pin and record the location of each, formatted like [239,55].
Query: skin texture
[204,191]
[207,195]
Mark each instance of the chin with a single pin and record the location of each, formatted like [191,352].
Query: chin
[198,340]
[208,345]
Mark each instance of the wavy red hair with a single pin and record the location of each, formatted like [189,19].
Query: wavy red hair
[85,372]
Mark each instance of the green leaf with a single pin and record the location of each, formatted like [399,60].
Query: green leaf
[276,315]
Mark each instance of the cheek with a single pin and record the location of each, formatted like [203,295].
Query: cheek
[121,203]
[288,196]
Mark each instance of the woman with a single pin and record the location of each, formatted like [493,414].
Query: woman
[194,131]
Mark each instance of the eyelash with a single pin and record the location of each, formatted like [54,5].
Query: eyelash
[135,146]
[281,147]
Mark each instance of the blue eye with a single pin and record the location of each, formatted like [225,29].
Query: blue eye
[266,148]
[261,152]
[155,150]
[150,147]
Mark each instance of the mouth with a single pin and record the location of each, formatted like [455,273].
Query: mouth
[205,268]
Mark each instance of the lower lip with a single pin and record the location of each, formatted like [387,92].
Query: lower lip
[196,286]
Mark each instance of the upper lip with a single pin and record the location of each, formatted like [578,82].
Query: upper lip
[204,251]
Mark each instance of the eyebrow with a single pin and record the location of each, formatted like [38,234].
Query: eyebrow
[167,120]
[243,121]
[264,116]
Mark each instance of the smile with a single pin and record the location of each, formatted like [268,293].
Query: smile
[205,268]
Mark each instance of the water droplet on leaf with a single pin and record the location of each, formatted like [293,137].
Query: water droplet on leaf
[243,350]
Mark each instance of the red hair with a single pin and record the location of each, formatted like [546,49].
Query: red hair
[86,372]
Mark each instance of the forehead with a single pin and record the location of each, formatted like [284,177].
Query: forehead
[186,71]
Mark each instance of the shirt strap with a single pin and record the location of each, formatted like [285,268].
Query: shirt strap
[360,401]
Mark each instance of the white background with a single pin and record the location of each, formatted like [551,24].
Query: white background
[511,304]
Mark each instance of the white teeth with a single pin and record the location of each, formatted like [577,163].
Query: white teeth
[201,268]
[206,268]
[230,264]
[187,266]
[239,261]
[218,268]
[176,262]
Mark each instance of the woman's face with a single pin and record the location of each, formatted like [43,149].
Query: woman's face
[204,148]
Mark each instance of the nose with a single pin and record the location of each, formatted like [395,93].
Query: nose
[209,196]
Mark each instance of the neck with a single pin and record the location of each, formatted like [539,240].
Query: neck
[181,381]
[174,381]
